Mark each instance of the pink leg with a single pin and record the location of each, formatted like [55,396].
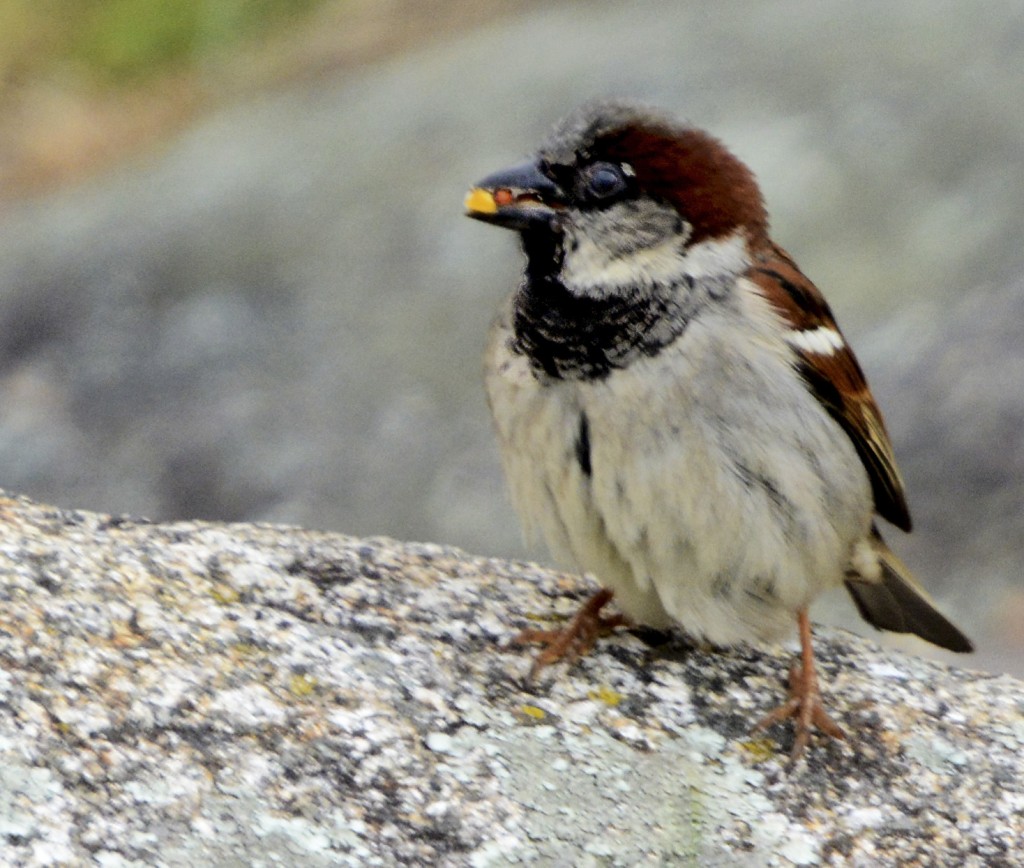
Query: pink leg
[576,638]
[804,704]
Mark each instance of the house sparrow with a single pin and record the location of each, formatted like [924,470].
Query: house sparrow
[677,410]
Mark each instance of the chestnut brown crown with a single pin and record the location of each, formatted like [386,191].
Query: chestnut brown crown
[711,188]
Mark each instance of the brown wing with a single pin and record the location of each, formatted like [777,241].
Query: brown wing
[833,375]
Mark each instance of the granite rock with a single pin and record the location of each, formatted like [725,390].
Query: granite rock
[194,693]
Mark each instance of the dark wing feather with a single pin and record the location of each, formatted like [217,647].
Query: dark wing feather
[835,379]
[895,601]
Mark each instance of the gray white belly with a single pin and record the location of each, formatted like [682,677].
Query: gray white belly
[672,482]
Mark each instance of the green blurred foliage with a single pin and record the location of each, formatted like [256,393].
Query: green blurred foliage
[114,42]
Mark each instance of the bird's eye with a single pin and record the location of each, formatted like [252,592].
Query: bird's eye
[604,180]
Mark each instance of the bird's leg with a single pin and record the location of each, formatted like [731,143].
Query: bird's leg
[576,638]
[804,704]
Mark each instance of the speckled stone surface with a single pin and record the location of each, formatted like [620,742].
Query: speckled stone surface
[202,694]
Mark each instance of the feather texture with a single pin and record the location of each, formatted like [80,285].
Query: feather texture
[834,377]
[677,410]
[895,601]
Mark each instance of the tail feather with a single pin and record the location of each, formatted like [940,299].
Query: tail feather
[893,600]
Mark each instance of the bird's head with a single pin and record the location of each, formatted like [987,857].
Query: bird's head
[622,196]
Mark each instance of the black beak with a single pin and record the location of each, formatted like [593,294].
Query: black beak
[521,197]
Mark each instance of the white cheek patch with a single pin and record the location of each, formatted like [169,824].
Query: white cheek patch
[588,269]
[718,257]
[822,341]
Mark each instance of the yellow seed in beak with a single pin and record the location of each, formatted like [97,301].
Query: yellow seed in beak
[480,201]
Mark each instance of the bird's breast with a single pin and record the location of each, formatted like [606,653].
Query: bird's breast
[702,483]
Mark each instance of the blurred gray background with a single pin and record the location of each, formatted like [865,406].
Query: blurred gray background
[276,312]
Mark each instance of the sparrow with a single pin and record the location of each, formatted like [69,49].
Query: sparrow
[677,411]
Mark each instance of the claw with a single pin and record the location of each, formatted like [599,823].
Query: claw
[576,638]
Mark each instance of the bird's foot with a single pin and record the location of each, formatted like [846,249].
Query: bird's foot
[804,704]
[576,638]
[807,710]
